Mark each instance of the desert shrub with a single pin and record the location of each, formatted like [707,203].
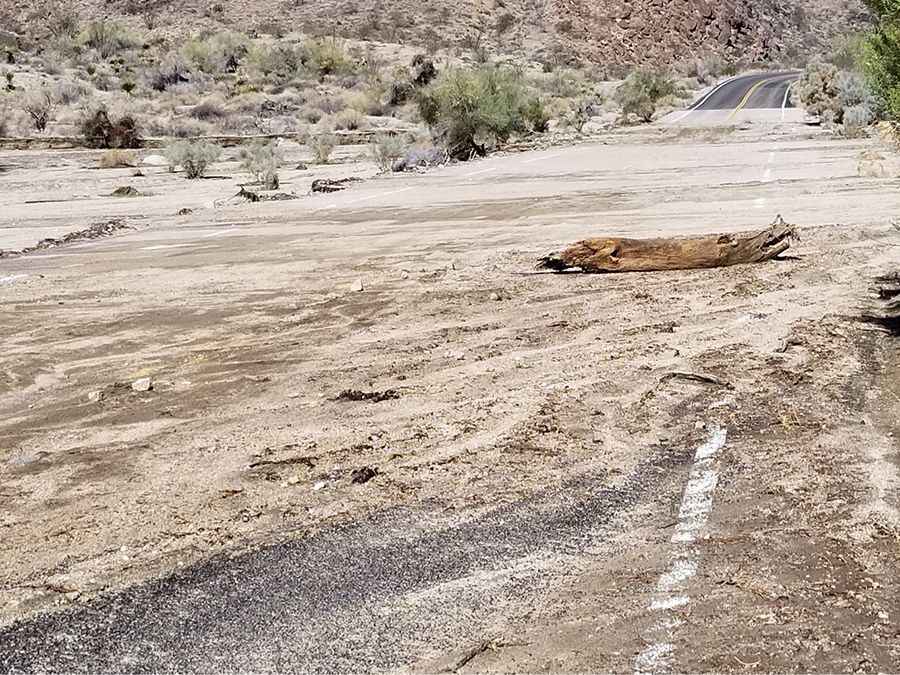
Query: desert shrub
[387,149]
[170,71]
[39,107]
[468,110]
[399,92]
[322,143]
[108,38]
[705,70]
[194,157]
[208,110]
[116,159]
[222,52]
[62,18]
[349,119]
[536,116]
[276,63]
[642,91]
[262,160]
[326,56]
[856,120]
[819,91]
[99,131]
[881,55]
[370,102]
[424,71]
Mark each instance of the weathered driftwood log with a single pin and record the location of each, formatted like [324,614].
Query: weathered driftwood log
[647,255]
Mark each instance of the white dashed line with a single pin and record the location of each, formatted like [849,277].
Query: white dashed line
[670,592]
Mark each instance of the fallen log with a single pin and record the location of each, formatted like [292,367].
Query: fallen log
[616,254]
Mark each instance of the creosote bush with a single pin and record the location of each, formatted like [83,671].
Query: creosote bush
[108,38]
[261,160]
[470,110]
[327,56]
[387,149]
[322,143]
[194,157]
[642,91]
[819,92]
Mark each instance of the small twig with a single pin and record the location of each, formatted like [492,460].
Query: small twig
[696,377]
[468,655]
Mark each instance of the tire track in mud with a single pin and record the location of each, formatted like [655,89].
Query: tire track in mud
[327,588]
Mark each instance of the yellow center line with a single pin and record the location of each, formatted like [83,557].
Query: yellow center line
[747,96]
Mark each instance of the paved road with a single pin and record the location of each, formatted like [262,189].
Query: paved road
[352,599]
[746,97]
[758,91]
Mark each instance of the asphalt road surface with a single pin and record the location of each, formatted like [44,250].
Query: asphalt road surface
[339,601]
[757,91]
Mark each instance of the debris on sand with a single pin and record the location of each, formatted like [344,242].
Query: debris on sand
[363,475]
[126,191]
[256,197]
[697,378]
[329,185]
[184,212]
[358,286]
[648,255]
[96,231]
[369,396]
[886,312]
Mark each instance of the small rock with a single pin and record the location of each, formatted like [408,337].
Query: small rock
[301,167]
[143,384]
[137,174]
[357,286]
[155,160]
[293,480]
[404,275]
[363,475]
[321,485]
[185,212]
[496,297]
[95,396]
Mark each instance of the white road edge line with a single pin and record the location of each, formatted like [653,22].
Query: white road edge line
[787,95]
[671,588]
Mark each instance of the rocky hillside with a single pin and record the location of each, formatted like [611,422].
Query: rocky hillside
[608,32]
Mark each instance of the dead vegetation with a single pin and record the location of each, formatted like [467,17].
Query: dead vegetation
[649,255]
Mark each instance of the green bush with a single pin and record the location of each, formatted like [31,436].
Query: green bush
[108,38]
[216,54]
[261,160]
[470,110]
[387,149]
[819,91]
[642,91]
[881,55]
[193,156]
[327,56]
[536,116]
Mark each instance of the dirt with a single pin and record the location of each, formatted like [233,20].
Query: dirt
[502,382]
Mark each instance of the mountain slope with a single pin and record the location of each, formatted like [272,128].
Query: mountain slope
[610,32]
